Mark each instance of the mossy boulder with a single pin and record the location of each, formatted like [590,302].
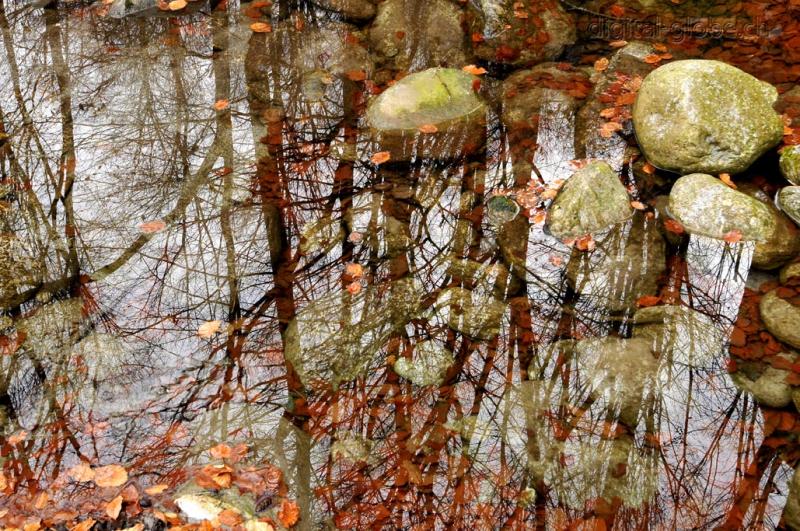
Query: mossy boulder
[705,116]
[789,202]
[440,97]
[783,242]
[707,206]
[790,164]
[591,200]
[781,318]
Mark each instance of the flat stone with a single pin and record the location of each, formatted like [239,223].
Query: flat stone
[781,318]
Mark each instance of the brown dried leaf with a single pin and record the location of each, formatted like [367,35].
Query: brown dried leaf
[110,476]
[114,507]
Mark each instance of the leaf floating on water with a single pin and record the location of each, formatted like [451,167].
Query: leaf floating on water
[674,226]
[289,513]
[151,227]
[176,5]
[110,476]
[638,205]
[601,65]
[474,70]
[428,129]
[86,525]
[652,59]
[618,44]
[208,329]
[356,75]
[647,301]
[648,168]
[260,27]
[734,236]
[726,178]
[221,105]
[354,288]
[380,157]
[17,438]
[114,507]
[81,472]
[585,243]
[220,451]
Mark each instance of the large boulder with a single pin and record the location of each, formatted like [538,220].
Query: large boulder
[412,36]
[519,32]
[439,97]
[705,116]
[781,318]
[707,206]
[592,199]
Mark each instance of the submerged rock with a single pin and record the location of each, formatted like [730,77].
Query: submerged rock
[620,373]
[781,318]
[789,271]
[783,243]
[625,265]
[428,365]
[705,116]
[501,209]
[791,512]
[472,313]
[680,334]
[440,97]
[519,32]
[335,337]
[770,387]
[412,36]
[493,278]
[789,201]
[790,164]
[349,9]
[707,206]
[591,200]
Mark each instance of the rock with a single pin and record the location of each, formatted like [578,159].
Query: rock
[501,209]
[705,116]
[489,278]
[770,387]
[471,313]
[680,334]
[620,373]
[624,266]
[519,32]
[412,36]
[428,366]
[788,201]
[349,9]
[353,448]
[783,243]
[440,97]
[789,271]
[781,318]
[790,164]
[336,336]
[591,200]
[707,206]
[791,512]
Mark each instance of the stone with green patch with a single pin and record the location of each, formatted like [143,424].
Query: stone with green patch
[790,164]
[781,318]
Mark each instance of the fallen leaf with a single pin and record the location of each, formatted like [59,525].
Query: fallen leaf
[208,329]
[86,525]
[134,527]
[114,507]
[380,157]
[221,105]
[354,271]
[220,451]
[260,27]
[652,59]
[726,178]
[356,75]
[176,5]
[556,260]
[151,227]
[601,64]
[34,525]
[17,438]
[81,472]
[354,288]
[41,500]
[638,205]
[734,236]
[647,300]
[550,193]
[648,168]
[616,10]
[156,489]
[428,129]
[110,476]
[229,517]
[474,70]
[288,513]
[618,44]
[355,237]
[585,243]
[674,226]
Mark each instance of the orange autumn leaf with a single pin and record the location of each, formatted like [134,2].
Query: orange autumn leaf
[647,300]
[618,44]
[474,70]
[156,489]
[209,329]
[17,438]
[555,260]
[260,27]
[734,236]
[81,472]
[608,129]
[601,64]
[176,5]
[617,10]
[114,507]
[648,168]
[288,513]
[652,59]
[40,502]
[229,517]
[428,129]
[380,157]
[674,226]
[221,105]
[585,243]
[726,178]
[151,227]
[638,205]
[86,525]
[539,217]
[353,270]
[110,476]
[550,193]
[220,451]
[354,288]
[356,75]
